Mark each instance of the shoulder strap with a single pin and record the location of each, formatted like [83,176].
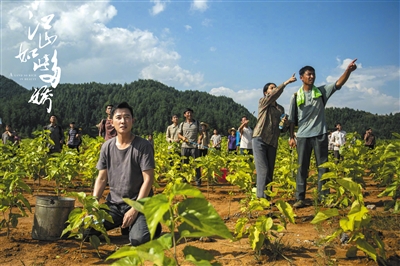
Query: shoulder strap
[296,114]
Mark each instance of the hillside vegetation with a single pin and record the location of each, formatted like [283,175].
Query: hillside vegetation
[153,105]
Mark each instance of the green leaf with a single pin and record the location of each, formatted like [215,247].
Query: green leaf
[351,252]
[379,243]
[346,224]
[185,189]
[350,185]
[139,206]
[256,238]
[199,213]
[125,251]
[14,219]
[24,201]
[324,215]
[151,251]
[268,223]
[154,210]
[367,248]
[286,210]
[329,175]
[333,236]
[94,241]
[240,227]
[186,230]
[128,261]
[198,256]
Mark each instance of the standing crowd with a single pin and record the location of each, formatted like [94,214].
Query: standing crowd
[127,161]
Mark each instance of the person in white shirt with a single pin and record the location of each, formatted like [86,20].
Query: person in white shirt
[216,140]
[246,135]
[337,140]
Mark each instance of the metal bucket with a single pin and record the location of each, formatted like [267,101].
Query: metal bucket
[51,213]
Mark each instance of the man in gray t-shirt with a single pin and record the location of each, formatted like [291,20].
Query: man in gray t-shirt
[127,163]
[189,132]
[307,107]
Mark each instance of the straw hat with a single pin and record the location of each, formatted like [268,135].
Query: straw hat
[230,130]
[205,124]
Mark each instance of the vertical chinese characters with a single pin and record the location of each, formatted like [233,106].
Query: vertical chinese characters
[43,61]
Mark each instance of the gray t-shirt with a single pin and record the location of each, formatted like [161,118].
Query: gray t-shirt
[124,167]
[190,131]
[311,114]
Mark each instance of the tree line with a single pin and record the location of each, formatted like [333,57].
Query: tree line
[153,105]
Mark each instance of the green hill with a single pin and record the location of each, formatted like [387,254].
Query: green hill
[153,105]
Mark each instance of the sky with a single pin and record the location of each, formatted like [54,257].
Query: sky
[230,48]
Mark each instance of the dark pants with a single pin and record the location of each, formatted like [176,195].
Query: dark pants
[264,159]
[203,152]
[138,231]
[71,146]
[192,152]
[305,146]
[337,156]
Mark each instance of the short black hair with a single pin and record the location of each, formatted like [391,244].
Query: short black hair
[338,123]
[188,109]
[304,69]
[121,106]
[109,105]
[266,86]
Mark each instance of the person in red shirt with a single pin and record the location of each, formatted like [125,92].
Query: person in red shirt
[106,129]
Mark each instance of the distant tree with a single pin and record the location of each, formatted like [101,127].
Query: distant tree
[153,105]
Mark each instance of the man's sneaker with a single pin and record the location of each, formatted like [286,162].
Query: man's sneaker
[299,204]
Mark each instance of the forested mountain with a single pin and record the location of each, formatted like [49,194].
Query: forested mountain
[153,105]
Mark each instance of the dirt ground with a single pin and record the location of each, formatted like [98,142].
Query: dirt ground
[300,241]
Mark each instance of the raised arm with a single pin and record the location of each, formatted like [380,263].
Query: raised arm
[345,76]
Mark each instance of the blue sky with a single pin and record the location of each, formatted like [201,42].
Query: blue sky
[230,48]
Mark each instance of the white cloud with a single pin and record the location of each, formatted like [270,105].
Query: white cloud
[362,91]
[84,21]
[159,6]
[188,27]
[89,50]
[199,5]
[367,88]
[248,98]
[213,49]
[171,75]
